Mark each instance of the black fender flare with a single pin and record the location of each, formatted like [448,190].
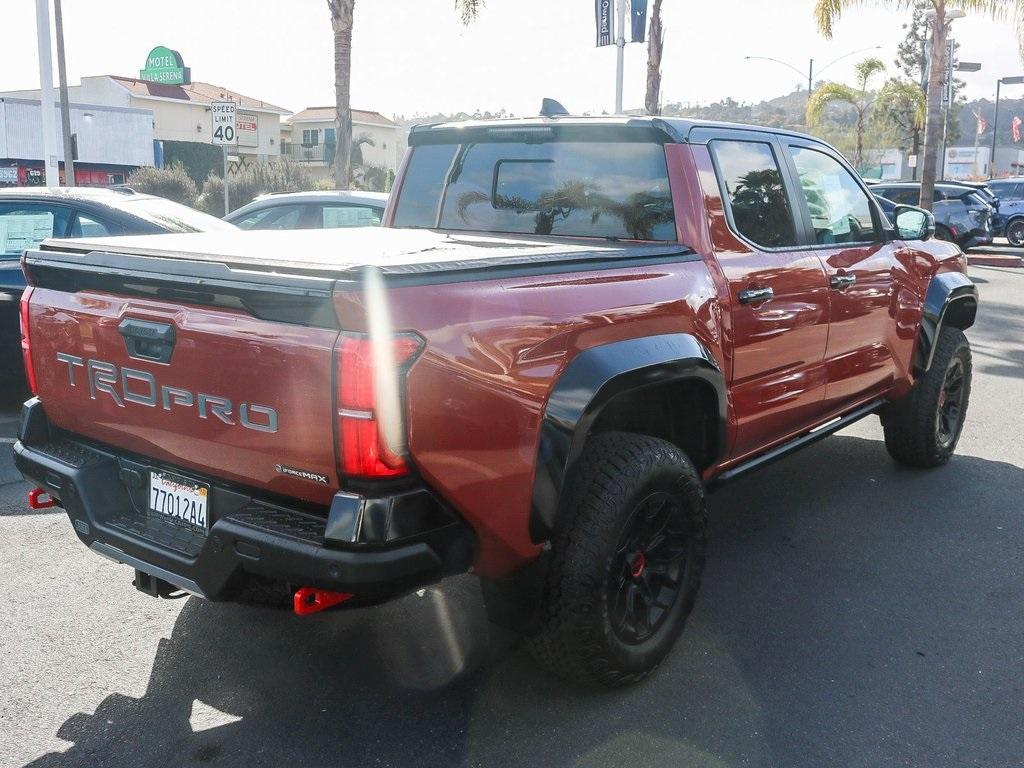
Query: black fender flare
[593,379]
[952,299]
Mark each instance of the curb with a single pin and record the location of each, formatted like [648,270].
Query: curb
[994,260]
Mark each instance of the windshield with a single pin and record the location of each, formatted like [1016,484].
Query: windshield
[171,216]
[604,189]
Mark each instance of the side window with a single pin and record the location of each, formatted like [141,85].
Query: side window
[840,209]
[86,226]
[26,225]
[337,216]
[901,196]
[755,193]
[278,217]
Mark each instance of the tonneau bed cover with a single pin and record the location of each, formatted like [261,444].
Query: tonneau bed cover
[341,253]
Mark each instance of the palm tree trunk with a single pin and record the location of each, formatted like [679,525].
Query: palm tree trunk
[916,149]
[933,124]
[859,156]
[655,46]
[342,17]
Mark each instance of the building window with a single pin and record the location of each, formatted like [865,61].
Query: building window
[310,137]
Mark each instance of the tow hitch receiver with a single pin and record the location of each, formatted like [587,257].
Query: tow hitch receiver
[40,498]
[309,600]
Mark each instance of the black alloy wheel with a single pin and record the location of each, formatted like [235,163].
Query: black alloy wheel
[951,397]
[649,568]
[1015,233]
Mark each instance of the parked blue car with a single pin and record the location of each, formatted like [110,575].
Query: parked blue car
[1009,219]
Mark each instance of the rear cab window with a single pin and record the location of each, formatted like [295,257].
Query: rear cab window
[537,182]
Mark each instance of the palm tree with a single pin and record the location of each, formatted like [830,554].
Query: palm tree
[828,12]
[655,46]
[342,18]
[363,140]
[902,103]
[859,97]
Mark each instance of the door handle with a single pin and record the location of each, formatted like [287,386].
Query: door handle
[839,282]
[148,340]
[756,295]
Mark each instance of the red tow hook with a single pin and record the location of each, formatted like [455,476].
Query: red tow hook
[309,600]
[36,494]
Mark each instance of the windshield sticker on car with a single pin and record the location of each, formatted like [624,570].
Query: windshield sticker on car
[19,231]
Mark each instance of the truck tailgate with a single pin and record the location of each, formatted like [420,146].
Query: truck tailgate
[245,395]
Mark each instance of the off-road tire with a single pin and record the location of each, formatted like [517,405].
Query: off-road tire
[617,474]
[912,424]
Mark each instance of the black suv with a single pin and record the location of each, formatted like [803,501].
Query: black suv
[962,215]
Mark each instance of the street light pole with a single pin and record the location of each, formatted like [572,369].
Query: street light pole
[65,107]
[46,93]
[620,44]
[995,132]
[810,65]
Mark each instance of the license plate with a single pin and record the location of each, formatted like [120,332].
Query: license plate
[179,498]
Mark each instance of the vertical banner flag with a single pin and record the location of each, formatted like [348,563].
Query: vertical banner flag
[982,123]
[1016,129]
[639,18]
[605,23]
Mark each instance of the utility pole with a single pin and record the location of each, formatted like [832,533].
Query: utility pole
[810,78]
[620,43]
[65,107]
[46,93]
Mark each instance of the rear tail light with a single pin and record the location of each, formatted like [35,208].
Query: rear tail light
[371,404]
[26,345]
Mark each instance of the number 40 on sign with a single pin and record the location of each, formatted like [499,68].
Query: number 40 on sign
[223,115]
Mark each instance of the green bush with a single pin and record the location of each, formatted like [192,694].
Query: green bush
[252,181]
[172,182]
[200,160]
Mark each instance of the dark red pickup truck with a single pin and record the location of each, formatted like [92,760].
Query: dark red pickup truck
[569,330]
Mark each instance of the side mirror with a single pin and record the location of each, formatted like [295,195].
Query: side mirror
[914,223]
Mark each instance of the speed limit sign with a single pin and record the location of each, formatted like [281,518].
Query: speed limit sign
[223,115]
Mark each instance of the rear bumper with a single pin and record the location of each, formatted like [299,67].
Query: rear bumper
[976,237]
[371,547]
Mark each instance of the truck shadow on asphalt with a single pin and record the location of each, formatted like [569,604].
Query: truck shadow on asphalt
[830,582]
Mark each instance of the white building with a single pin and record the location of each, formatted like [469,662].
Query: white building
[309,138]
[182,112]
[966,163]
[110,142]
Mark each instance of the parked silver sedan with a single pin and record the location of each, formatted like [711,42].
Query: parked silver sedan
[311,210]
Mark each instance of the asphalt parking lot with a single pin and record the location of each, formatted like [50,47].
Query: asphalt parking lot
[853,614]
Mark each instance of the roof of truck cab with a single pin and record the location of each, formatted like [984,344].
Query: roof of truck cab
[346,252]
[679,129]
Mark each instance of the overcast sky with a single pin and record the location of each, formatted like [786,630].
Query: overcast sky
[414,56]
